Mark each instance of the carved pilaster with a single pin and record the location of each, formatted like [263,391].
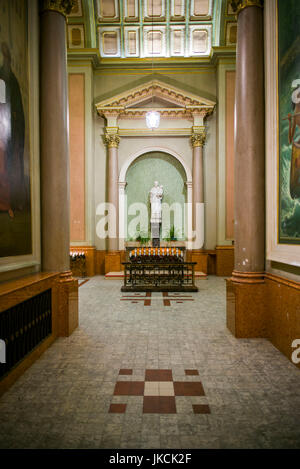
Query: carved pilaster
[198,139]
[239,5]
[111,140]
[60,6]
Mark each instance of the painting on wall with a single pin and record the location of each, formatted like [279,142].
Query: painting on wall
[15,205]
[289,121]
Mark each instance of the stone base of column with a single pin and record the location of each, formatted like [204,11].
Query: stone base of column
[67,304]
[245,309]
[248,277]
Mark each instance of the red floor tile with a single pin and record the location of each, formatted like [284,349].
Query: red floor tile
[158,375]
[122,388]
[182,388]
[201,409]
[136,388]
[117,408]
[125,371]
[159,405]
[191,372]
[129,388]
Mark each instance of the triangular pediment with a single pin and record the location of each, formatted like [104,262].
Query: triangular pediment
[163,95]
[156,103]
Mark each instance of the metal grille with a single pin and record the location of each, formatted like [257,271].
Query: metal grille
[159,276]
[24,326]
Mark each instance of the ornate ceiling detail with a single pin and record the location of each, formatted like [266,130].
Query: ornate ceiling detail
[184,29]
[133,30]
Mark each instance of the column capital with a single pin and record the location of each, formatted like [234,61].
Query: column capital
[111,140]
[60,6]
[198,138]
[239,5]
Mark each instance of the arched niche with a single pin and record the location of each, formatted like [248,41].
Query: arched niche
[137,176]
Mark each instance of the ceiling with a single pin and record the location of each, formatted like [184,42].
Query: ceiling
[131,30]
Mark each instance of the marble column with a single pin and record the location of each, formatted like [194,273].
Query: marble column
[249,145]
[198,141]
[246,288]
[112,140]
[54,145]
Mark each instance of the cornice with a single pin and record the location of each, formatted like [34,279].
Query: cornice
[138,113]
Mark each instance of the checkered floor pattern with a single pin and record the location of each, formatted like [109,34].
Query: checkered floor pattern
[159,391]
[148,299]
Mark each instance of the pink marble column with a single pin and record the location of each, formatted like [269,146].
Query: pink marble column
[249,177]
[112,141]
[54,128]
[54,145]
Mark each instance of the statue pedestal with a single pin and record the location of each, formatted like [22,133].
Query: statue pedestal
[155,229]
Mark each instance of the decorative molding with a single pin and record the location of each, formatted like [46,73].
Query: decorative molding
[143,151]
[109,41]
[161,132]
[198,139]
[60,6]
[248,277]
[111,140]
[239,5]
[194,47]
[157,89]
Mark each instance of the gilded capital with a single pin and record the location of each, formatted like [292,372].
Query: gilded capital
[198,139]
[60,6]
[111,140]
[239,5]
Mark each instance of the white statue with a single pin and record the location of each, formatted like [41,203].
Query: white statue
[156,195]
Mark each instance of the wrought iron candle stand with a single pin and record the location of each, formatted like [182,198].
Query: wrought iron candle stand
[158,269]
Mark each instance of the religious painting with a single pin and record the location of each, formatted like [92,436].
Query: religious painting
[289,121]
[15,205]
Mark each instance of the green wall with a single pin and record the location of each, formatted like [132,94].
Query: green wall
[168,171]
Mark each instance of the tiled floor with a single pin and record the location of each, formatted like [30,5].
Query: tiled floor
[159,391]
[137,375]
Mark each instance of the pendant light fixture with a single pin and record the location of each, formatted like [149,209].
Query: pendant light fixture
[152,117]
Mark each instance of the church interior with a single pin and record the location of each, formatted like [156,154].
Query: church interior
[149,224]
